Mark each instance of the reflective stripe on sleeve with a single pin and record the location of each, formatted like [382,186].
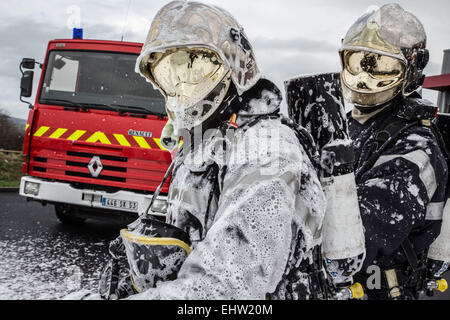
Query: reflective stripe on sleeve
[421,160]
[435,211]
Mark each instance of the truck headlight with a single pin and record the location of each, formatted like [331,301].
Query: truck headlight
[32,188]
[159,206]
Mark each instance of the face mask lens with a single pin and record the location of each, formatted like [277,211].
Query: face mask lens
[388,68]
[377,66]
[187,74]
[370,72]
[353,62]
[370,79]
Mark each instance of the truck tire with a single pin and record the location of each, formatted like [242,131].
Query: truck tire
[66,214]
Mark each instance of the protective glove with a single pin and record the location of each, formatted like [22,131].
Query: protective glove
[117,249]
[436,269]
[340,278]
[109,277]
[125,288]
[342,271]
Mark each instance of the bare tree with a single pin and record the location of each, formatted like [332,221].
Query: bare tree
[11,135]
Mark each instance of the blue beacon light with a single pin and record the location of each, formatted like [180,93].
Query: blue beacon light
[77,33]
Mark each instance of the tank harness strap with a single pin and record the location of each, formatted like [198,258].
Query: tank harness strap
[307,142]
[273,115]
[414,277]
[386,135]
[418,268]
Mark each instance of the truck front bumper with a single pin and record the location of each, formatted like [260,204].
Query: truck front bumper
[60,192]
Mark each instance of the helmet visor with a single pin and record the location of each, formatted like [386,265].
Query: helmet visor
[372,73]
[187,75]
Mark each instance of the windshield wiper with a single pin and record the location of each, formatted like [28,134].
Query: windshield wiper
[83,106]
[140,109]
[66,103]
[102,106]
[121,109]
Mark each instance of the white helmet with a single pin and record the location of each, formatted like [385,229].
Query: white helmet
[192,54]
[383,55]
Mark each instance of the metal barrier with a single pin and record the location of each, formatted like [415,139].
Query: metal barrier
[9,151]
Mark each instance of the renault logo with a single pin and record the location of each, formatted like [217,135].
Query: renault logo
[95,166]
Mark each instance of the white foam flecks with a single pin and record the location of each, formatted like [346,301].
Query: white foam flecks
[308,109]
[394,186]
[413,189]
[261,200]
[396,218]
[377,206]
[31,269]
[339,142]
[377,182]
[416,137]
[320,99]
[268,103]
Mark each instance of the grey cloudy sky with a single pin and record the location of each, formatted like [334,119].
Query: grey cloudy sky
[290,37]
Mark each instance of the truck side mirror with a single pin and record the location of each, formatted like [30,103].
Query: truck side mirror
[26,84]
[28,63]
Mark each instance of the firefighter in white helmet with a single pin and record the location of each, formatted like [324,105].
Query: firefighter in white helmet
[244,197]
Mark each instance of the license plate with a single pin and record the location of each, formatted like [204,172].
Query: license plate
[120,204]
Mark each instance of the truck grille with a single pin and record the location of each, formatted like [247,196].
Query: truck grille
[88,157]
[118,171]
[83,165]
[87,175]
[39,161]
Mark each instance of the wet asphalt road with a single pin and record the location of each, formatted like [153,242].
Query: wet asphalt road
[40,258]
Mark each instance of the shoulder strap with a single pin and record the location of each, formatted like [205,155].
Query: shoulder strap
[410,254]
[418,269]
[306,140]
[256,119]
[411,111]
[386,134]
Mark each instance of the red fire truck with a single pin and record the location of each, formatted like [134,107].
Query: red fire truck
[92,143]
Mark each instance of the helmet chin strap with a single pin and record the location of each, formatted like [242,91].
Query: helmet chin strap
[363,114]
[368,110]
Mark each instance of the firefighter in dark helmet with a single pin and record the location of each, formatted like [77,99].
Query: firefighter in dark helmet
[401,170]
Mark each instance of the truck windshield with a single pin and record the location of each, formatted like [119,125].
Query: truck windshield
[102,80]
